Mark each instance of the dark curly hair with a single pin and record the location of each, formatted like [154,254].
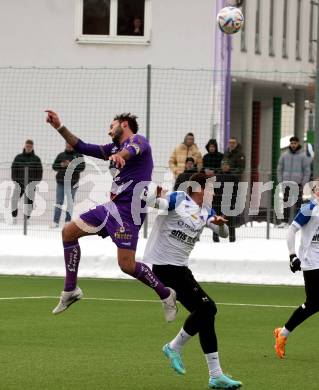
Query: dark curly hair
[130,118]
[198,178]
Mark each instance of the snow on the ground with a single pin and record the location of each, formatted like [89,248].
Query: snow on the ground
[255,261]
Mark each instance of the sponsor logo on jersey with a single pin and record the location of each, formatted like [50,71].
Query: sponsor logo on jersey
[183,237]
[185,225]
[315,238]
[121,234]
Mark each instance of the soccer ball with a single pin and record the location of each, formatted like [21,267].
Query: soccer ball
[230,20]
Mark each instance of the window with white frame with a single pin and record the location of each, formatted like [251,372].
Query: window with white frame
[113,21]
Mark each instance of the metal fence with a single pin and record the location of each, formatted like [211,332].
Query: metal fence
[255,222]
[169,104]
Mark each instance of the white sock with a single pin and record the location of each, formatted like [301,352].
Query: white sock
[178,342]
[214,368]
[284,332]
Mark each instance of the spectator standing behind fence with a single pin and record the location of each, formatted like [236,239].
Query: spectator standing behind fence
[294,165]
[187,149]
[26,172]
[190,169]
[65,187]
[212,160]
[225,199]
[235,157]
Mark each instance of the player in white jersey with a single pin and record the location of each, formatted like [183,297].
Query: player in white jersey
[176,230]
[307,221]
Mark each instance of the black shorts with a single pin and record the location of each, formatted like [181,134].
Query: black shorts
[188,291]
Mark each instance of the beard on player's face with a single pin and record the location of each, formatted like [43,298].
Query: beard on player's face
[116,134]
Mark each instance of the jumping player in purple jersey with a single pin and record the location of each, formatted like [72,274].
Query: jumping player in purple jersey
[131,165]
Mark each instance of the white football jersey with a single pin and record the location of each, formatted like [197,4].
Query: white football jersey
[307,220]
[175,234]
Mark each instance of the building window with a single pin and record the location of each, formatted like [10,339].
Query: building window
[298,26]
[113,21]
[312,26]
[271,29]
[243,46]
[257,34]
[284,31]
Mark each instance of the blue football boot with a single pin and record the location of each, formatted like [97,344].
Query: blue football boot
[175,358]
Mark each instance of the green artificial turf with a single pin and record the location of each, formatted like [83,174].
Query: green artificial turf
[116,344]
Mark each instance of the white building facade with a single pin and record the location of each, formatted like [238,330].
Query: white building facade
[102,69]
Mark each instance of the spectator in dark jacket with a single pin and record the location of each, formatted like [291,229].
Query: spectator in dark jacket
[190,169]
[225,199]
[66,185]
[235,157]
[212,160]
[26,172]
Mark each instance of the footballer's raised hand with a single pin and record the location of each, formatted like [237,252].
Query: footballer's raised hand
[118,160]
[219,220]
[53,119]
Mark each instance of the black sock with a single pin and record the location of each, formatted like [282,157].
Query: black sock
[300,315]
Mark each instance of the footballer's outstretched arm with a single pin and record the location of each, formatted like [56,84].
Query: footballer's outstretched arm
[97,151]
[217,224]
[54,120]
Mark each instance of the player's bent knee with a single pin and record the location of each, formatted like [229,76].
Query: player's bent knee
[312,306]
[65,234]
[212,308]
[69,233]
[127,265]
[126,261]
[208,309]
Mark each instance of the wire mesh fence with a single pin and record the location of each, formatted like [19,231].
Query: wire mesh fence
[169,104]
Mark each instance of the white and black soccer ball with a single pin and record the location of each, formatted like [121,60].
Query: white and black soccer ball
[230,20]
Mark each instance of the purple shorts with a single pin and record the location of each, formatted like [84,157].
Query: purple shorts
[108,220]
